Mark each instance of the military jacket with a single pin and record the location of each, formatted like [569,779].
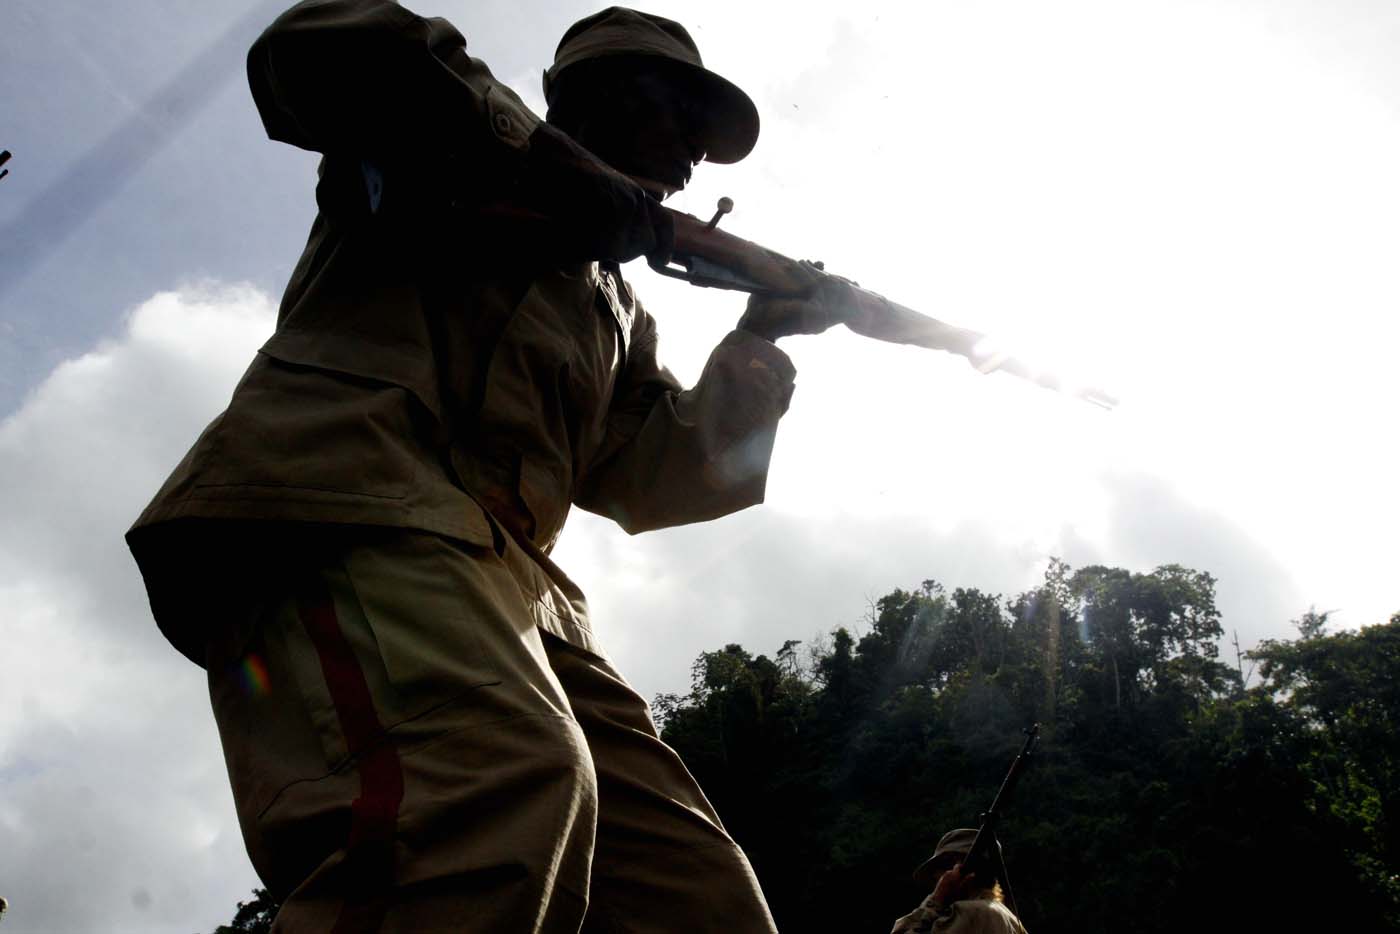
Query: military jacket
[419,379]
[969,916]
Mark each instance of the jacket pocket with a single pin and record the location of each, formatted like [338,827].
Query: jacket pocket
[298,432]
[430,606]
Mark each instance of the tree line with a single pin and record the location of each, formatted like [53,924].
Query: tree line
[1171,790]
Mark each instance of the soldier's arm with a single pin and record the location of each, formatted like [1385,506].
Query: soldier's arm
[675,456]
[369,83]
[370,77]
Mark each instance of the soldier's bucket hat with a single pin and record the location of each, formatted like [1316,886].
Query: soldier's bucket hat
[731,119]
[952,848]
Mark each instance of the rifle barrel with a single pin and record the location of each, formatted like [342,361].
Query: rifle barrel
[899,324]
[986,831]
[708,256]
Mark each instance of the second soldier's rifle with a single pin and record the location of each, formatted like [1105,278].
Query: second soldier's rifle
[985,853]
[704,255]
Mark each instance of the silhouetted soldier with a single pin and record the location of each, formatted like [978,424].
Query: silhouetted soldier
[421,729]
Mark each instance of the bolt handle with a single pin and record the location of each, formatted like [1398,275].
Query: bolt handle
[722,207]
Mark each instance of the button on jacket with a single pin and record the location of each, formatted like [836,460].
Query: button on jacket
[427,371]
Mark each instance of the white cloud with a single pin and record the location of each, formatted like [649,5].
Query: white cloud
[115,809]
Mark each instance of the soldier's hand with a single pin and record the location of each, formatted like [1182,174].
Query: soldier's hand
[662,239]
[586,209]
[771,317]
[953,885]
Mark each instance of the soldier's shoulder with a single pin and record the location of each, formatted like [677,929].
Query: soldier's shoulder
[986,916]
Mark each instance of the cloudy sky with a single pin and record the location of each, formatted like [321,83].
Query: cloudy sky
[1194,203]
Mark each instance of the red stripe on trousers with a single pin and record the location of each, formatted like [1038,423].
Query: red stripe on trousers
[369,858]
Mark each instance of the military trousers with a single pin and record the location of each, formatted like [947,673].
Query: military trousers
[410,753]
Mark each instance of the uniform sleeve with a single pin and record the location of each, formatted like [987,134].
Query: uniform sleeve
[384,92]
[372,78]
[672,456]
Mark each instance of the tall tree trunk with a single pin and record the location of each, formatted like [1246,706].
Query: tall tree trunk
[1052,663]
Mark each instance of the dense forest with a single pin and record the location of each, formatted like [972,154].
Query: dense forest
[1171,790]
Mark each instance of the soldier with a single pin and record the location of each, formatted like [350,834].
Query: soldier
[421,730]
[958,904]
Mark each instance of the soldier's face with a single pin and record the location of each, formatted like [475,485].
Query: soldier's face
[645,125]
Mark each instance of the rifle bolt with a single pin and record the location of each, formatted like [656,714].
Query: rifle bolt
[723,207]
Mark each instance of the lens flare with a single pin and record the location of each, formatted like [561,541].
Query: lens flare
[254,675]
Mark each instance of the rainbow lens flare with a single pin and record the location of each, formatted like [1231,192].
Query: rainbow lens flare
[254,676]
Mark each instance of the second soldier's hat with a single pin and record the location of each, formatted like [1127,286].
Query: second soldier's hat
[952,849]
[731,120]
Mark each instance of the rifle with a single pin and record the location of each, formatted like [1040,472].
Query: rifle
[709,257]
[985,852]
